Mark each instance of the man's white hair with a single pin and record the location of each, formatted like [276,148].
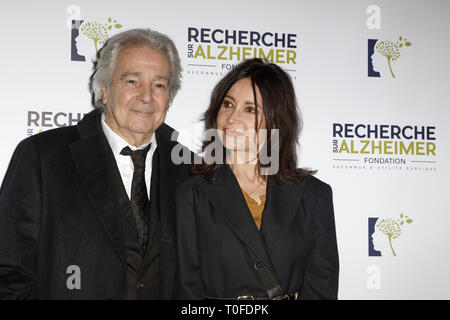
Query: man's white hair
[106,62]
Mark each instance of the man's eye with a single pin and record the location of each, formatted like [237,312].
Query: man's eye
[161,85]
[130,81]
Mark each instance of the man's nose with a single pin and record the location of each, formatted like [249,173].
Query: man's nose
[146,93]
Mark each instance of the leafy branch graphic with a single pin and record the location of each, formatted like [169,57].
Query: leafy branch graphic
[392,228]
[391,50]
[98,32]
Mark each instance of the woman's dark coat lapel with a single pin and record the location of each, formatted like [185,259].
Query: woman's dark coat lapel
[282,202]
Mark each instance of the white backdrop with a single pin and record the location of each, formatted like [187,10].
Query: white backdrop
[337,79]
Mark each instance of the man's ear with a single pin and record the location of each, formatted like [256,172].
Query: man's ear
[104,95]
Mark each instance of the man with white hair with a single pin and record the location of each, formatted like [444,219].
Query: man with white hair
[87,211]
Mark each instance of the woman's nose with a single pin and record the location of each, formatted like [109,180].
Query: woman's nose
[234,116]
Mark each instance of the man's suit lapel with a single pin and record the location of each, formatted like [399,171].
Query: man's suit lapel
[282,203]
[169,174]
[96,165]
[226,196]
[167,183]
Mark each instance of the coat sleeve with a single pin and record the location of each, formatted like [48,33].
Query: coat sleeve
[20,218]
[189,283]
[322,267]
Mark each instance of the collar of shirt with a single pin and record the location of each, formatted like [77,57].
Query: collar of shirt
[124,163]
[117,143]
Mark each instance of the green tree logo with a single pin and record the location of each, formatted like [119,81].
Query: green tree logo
[392,228]
[98,32]
[391,50]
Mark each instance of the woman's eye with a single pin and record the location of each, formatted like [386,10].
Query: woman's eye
[227,104]
[251,109]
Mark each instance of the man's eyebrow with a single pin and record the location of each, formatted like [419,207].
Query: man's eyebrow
[137,74]
[162,78]
[129,73]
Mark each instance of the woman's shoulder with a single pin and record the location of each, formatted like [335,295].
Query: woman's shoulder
[202,180]
[317,183]
[192,182]
[194,187]
[313,184]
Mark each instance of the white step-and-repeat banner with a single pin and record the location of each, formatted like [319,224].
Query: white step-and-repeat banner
[373,83]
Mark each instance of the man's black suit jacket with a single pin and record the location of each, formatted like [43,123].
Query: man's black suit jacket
[59,215]
[216,230]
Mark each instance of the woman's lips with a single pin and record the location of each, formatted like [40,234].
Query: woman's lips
[233,132]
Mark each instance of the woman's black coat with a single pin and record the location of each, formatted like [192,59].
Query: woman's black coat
[215,231]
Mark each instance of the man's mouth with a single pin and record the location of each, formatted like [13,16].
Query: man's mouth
[141,112]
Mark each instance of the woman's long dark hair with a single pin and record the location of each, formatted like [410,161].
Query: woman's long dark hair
[280,111]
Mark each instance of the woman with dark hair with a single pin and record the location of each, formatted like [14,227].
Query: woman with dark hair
[250,224]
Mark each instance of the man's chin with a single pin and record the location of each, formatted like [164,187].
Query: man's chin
[144,128]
